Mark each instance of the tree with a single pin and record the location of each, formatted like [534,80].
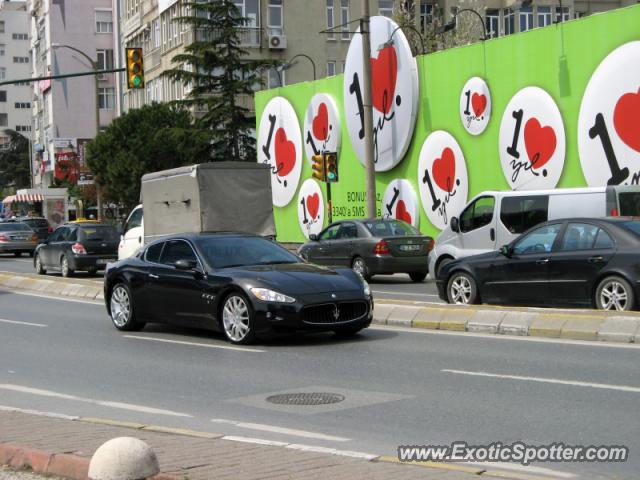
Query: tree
[14,162]
[219,78]
[154,137]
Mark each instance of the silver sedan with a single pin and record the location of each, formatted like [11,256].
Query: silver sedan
[17,238]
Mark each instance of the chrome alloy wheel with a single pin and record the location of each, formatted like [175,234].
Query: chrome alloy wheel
[359,266]
[614,296]
[120,306]
[460,290]
[235,318]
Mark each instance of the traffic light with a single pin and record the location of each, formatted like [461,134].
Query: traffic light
[318,167]
[135,68]
[331,167]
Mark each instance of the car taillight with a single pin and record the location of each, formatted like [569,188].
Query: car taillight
[4,238]
[430,245]
[381,248]
[78,249]
[614,212]
[34,238]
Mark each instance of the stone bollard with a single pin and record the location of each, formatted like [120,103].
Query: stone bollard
[123,458]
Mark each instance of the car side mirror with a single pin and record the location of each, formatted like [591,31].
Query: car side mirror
[506,250]
[455,224]
[313,237]
[185,264]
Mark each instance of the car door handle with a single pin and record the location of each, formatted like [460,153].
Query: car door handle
[542,261]
[155,277]
[595,259]
[492,234]
[139,239]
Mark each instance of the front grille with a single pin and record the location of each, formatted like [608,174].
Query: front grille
[326,313]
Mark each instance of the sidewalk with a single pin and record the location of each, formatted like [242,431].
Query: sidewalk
[27,440]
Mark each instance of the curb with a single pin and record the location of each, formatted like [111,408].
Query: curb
[73,288]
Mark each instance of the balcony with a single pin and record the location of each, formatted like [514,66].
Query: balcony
[249,37]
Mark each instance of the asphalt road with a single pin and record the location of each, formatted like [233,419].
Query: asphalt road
[400,387]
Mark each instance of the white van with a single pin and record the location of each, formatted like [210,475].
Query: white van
[132,234]
[495,218]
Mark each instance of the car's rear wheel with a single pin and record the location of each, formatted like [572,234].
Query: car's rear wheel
[418,276]
[360,266]
[64,267]
[238,319]
[121,309]
[614,293]
[461,289]
[37,262]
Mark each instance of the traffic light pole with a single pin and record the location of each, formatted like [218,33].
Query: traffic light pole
[330,215]
[66,75]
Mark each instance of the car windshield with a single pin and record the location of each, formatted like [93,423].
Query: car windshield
[98,233]
[390,228]
[232,251]
[14,227]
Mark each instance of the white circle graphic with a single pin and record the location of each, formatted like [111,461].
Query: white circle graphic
[310,208]
[475,105]
[609,120]
[280,147]
[394,94]
[442,177]
[532,141]
[401,202]
[322,131]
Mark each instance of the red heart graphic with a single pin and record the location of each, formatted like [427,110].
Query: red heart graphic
[539,141]
[320,124]
[384,70]
[625,119]
[313,204]
[478,103]
[285,153]
[444,170]
[402,213]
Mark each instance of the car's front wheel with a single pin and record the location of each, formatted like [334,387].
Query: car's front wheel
[121,309]
[614,293]
[37,262]
[238,319]
[461,289]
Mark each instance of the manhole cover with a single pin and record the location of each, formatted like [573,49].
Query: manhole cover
[313,398]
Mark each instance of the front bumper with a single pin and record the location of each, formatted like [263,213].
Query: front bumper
[86,262]
[387,264]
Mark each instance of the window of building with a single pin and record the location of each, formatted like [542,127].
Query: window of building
[3,95]
[275,78]
[344,19]
[330,23]
[105,61]
[3,73]
[20,59]
[426,15]
[492,20]
[343,66]
[331,69]
[4,120]
[509,21]
[385,8]
[274,17]
[107,98]
[562,14]
[250,10]
[579,14]
[544,16]
[2,26]
[22,105]
[23,128]
[158,95]
[20,36]
[526,18]
[149,92]
[2,47]
[156,33]
[104,21]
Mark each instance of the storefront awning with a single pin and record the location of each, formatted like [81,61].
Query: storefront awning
[30,197]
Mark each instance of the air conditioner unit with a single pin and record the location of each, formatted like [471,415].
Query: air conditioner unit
[277,42]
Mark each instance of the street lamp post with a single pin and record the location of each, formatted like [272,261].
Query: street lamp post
[290,63]
[452,24]
[389,42]
[95,67]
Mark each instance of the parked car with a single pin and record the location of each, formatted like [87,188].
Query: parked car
[17,238]
[40,225]
[496,218]
[577,261]
[371,247]
[77,246]
[240,284]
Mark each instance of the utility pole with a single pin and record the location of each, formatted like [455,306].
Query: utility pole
[370,171]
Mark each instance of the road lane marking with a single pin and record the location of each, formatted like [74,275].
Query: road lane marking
[529,469]
[573,383]
[104,403]
[16,322]
[5,408]
[281,430]
[195,344]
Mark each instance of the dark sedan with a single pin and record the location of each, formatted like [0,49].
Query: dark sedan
[242,285]
[87,246]
[371,247]
[581,261]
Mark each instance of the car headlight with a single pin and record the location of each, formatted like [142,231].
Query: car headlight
[365,285]
[267,295]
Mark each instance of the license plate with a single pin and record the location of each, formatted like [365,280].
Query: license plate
[409,248]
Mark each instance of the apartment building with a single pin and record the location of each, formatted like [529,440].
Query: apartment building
[15,99]
[69,36]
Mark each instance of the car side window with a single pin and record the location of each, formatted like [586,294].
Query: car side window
[348,230]
[60,235]
[134,221]
[578,236]
[519,214]
[330,233]
[153,252]
[603,240]
[177,250]
[540,240]
[73,235]
[478,214]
